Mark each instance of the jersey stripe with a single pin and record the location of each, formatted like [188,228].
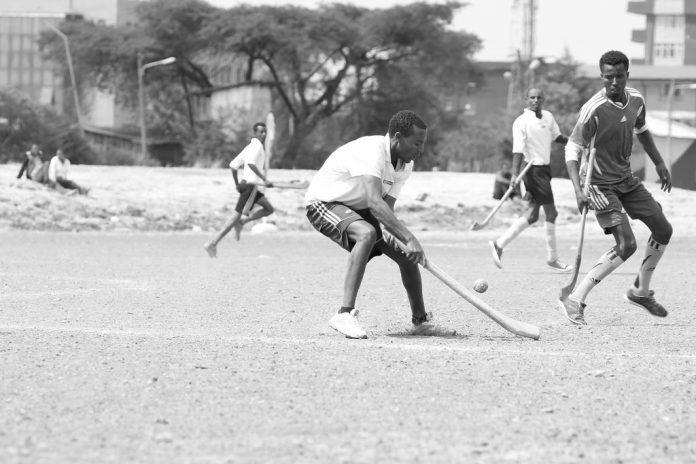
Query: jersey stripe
[590,106]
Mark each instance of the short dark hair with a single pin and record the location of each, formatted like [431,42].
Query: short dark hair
[403,121]
[258,124]
[613,57]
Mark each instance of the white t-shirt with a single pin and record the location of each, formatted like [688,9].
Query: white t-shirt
[238,161]
[338,179]
[532,136]
[58,168]
[252,154]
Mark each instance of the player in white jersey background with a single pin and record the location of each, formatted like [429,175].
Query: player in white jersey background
[533,132]
[251,159]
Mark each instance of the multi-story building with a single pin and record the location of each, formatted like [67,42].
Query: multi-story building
[665,76]
[21,65]
[670,31]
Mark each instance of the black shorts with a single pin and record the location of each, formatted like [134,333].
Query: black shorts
[244,197]
[332,219]
[537,183]
[627,197]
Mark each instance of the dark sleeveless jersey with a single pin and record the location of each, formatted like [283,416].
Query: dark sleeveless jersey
[609,127]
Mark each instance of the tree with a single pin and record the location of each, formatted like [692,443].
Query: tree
[324,63]
[29,123]
[336,60]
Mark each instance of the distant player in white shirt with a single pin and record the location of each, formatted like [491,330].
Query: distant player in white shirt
[252,160]
[532,135]
[352,197]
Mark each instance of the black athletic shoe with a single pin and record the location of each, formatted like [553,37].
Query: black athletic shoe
[646,302]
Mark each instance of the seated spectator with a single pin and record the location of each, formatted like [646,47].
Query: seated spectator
[502,182]
[58,171]
[34,166]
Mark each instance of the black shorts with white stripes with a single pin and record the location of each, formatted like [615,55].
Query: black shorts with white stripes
[332,219]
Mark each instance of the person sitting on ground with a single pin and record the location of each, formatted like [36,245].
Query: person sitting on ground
[502,182]
[58,171]
[33,167]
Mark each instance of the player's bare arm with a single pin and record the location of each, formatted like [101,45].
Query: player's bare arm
[645,138]
[256,171]
[235,177]
[573,168]
[384,213]
[516,168]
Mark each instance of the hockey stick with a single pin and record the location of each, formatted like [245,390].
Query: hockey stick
[565,291]
[293,184]
[523,329]
[250,202]
[480,225]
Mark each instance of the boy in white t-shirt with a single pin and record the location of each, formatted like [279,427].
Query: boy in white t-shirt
[252,158]
[352,197]
[59,174]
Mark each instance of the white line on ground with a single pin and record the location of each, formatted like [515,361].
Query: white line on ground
[334,341]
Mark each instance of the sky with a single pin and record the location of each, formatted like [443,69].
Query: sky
[586,28]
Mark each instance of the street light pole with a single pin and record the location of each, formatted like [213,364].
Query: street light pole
[141,98]
[670,98]
[72,76]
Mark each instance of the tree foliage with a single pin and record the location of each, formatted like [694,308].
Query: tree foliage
[333,62]
[29,123]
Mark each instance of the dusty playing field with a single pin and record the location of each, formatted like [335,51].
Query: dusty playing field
[139,348]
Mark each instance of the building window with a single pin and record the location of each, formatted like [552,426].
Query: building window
[668,54]
[669,23]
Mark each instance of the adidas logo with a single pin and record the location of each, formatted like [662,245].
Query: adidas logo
[623,119]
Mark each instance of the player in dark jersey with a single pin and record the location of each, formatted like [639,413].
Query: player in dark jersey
[607,123]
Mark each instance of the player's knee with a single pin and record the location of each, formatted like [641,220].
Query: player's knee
[626,248]
[551,216]
[366,235]
[664,235]
[269,210]
[533,217]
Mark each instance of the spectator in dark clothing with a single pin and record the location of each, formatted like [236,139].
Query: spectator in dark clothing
[34,166]
[502,182]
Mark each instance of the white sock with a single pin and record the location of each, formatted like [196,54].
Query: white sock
[513,231]
[653,254]
[551,252]
[605,266]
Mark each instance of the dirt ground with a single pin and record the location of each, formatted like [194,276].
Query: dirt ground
[133,347]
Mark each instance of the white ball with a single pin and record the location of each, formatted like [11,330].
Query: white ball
[480,285]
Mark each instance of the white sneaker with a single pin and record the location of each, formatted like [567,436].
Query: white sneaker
[559,266]
[428,328]
[347,324]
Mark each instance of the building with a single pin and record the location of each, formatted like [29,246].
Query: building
[670,31]
[21,64]
[667,79]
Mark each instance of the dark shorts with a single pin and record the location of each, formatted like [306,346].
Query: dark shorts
[332,219]
[537,183]
[628,197]
[244,197]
